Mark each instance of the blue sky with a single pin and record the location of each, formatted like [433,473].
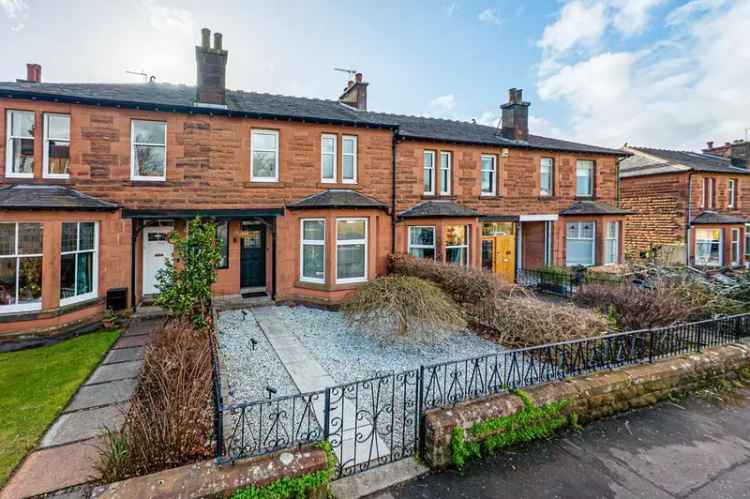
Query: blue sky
[663,73]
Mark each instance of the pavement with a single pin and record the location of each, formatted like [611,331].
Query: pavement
[68,452]
[693,448]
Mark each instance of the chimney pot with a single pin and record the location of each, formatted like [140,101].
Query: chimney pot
[34,73]
[206,38]
[358,77]
[355,93]
[710,144]
[217,41]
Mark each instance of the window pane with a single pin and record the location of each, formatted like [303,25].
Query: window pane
[445,180]
[22,124]
[456,255]
[350,229]
[587,230]
[69,236]
[487,181]
[87,236]
[428,180]
[68,276]
[327,144]
[611,251]
[7,281]
[84,279]
[23,155]
[30,279]
[445,161]
[222,241]
[423,236]
[149,132]
[313,230]
[328,166]
[348,167]
[264,140]
[149,161]
[584,174]
[29,238]
[58,154]
[426,253]
[348,146]
[350,261]
[313,257]
[579,252]
[58,127]
[488,163]
[264,164]
[7,239]
[455,235]
[611,229]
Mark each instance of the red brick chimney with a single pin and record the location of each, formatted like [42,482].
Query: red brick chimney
[34,73]
[355,93]
[212,70]
[515,118]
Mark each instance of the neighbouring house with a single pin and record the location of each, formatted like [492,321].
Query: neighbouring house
[310,196]
[688,208]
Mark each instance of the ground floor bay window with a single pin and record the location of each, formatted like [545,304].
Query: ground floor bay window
[457,244]
[612,244]
[580,244]
[351,250]
[79,262]
[313,260]
[708,247]
[20,267]
[422,242]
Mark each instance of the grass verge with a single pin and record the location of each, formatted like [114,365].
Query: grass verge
[36,384]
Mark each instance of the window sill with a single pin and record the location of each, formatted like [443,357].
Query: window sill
[148,179]
[50,313]
[328,287]
[336,185]
[439,196]
[277,184]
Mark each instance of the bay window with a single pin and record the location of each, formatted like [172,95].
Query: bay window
[429,172]
[349,160]
[148,150]
[612,244]
[488,175]
[747,241]
[708,247]
[19,147]
[546,175]
[736,246]
[79,262]
[580,243]
[264,156]
[445,173]
[20,266]
[422,242]
[328,158]
[56,149]
[457,244]
[584,178]
[313,251]
[351,250]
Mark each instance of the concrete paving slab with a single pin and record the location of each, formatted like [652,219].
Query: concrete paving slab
[82,425]
[112,372]
[53,469]
[132,341]
[363,484]
[103,394]
[124,355]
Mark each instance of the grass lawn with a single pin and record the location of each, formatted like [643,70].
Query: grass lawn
[36,384]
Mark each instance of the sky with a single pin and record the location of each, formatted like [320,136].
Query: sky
[660,73]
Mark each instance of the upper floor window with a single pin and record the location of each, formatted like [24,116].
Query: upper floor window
[489,175]
[584,178]
[328,158]
[149,150]
[19,148]
[349,160]
[708,193]
[445,173]
[264,156]
[546,176]
[56,149]
[429,172]
[732,193]
[422,242]
[313,254]
[20,266]
[351,250]
[78,264]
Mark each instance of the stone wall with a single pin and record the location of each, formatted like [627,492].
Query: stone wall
[592,397]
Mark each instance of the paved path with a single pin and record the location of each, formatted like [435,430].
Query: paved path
[68,451]
[690,449]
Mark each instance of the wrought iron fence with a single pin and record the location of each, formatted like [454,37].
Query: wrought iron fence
[377,421]
[561,282]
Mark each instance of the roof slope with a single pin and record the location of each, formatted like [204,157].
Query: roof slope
[592,208]
[181,98]
[438,208]
[45,197]
[651,161]
[714,218]
[336,198]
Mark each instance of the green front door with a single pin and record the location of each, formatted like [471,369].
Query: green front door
[253,256]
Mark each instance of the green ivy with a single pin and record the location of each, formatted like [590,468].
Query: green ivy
[530,423]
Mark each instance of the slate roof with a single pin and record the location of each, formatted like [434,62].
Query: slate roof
[438,209]
[592,208]
[656,161]
[336,198]
[46,197]
[180,98]
[714,218]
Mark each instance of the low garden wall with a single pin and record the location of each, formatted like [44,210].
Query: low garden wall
[452,435]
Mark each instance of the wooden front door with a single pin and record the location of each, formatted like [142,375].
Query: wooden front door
[499,250]
[253,256]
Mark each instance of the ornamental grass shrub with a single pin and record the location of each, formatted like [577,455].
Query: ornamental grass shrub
[170,420]
[403,305]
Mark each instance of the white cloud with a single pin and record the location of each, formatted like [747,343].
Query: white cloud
[168,19]
[630,17]
[489,16]
[451,8]
[17,12]
[686,12]
[579,23]
[443,106]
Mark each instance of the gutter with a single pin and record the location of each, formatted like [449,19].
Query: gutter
[393,191]
[688,216]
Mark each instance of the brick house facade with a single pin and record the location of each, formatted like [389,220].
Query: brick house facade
[688,208]
[310,195]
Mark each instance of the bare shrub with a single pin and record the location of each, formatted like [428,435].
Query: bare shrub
[404,306]
[170,418]
[524,321]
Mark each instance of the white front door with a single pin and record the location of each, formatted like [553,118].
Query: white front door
[156,251]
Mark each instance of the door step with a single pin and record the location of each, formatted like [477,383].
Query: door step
[235,302]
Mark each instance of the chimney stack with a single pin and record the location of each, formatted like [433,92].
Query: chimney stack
[34,73]
[710,145]
[515,117]
[355,93]
[212,70]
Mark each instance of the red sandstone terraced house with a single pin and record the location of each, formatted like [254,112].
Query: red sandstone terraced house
[690,208]
[310,196]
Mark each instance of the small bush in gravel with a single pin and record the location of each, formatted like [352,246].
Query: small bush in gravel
[405,306]
[524,321]
[170,418]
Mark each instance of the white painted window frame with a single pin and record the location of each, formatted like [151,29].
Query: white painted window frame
[433,247]
[448,169]
[45,146]
[712,241]
[134,164]
[731,193]
[332,137]
[616,239]
[493,174]
[9,173]
[431,168]
[95,264]
[353,155]
[24,307]
[275,150]
[747,240]
[551,164]
[311,242]
[467,244]
[579,238]
[352,242]
[735,254]
[590,166]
